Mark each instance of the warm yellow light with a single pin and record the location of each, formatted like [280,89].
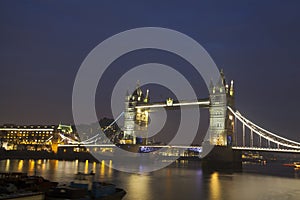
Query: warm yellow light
[94,166]
[76,164]
[31,165]
[86,167]
[102,168]
[20,165]
[110,171]
[215,190]
[7,165]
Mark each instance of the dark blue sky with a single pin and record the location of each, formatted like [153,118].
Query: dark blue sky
[42,45]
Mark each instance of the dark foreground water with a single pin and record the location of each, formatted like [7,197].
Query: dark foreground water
[180,180]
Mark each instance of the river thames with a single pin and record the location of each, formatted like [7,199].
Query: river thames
[180,180]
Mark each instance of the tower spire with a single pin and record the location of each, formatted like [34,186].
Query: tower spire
[231,91]
[223,79]
[146,100]
[138,89]
[127,95]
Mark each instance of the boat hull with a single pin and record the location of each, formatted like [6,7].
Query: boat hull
[25,196]
[118,195]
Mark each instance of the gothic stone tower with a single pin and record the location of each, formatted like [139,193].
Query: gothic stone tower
[129,115]
[221,121]
[229,122]
[136,119]
[217,151]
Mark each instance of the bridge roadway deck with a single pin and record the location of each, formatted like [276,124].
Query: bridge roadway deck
[189,147]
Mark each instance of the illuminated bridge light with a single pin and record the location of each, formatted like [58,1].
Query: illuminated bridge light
[263,133]
[162,105]
[196,149]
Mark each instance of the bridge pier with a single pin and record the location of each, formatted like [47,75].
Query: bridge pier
[222,158]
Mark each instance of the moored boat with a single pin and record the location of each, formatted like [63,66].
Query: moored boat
[16,185]
[84,188]
[23,196]
[25,182]
[294,164]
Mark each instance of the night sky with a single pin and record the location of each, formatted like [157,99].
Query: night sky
[43,43]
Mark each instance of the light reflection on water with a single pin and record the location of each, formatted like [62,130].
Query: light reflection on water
[214,186]
[181,180]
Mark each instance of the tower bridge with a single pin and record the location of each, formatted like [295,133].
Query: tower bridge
[228,128]
[221,95]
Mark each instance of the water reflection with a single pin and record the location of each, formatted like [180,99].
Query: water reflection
[39,162]
[20,165]
[44,165]
[297,172]
[54,164]
[110,169]
[76,164]
[102,168]
[140,184]
[94,167]
[214,186]
[31,165]
[182,180]
[168,182]
[86,167]
[7,165]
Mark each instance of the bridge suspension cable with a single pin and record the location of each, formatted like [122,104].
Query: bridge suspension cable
[263,133]
[68,139]
[94,138]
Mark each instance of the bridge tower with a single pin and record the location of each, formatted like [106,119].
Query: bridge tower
[219,153]
[217,111]
[129,115]
[136,119]
[221,121]
[230,120]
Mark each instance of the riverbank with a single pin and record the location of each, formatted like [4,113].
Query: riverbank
[35,155]
[67,156]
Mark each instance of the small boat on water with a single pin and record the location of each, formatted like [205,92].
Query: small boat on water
[85,188]
[24,182]
[24,195]
[17,186]
[294,164]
